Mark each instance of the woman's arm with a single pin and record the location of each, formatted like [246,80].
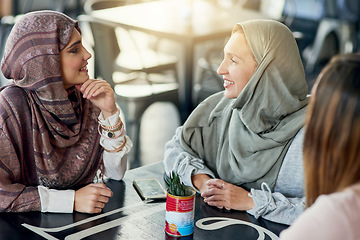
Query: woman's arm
[275,206]
[89,199]
[15,196]
[93,197]
[283,205]
[184,164]
[287,201]
[18,197]
[115,162]
[117,144]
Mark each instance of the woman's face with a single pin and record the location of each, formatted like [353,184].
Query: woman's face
[238,65]
[73,61]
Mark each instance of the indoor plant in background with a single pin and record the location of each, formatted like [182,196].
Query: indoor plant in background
[180,206]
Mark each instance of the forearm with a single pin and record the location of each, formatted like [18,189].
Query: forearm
[115,165]
[24,201]
[275,206]
[116,148]
[184,164]
[199,181]
[15,196]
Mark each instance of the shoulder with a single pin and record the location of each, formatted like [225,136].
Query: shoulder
[13,100]
[13,93]
[345,203]
[332,216]
[212,101]
[211,107]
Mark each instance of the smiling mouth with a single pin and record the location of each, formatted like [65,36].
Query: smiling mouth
[83,68]
[227,83]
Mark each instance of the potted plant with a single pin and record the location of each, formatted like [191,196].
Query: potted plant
[180,205]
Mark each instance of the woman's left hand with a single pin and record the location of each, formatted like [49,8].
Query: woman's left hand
[101,94]
[226,195]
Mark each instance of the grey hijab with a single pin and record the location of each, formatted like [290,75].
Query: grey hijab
[244,140]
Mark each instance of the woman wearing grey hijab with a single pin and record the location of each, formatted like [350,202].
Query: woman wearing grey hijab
[242,148]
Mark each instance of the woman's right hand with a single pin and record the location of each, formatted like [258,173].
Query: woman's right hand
[100,93]
[92,198]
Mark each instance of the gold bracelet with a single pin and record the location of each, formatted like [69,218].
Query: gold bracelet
[119,123]
[113,130]
[117,149]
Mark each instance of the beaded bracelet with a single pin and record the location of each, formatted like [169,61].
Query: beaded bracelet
[117,149]
[113,128]
[110,134]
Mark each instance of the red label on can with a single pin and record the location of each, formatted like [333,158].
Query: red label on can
[179,205]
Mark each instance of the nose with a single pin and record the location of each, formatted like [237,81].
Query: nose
[221,69]
[87,54]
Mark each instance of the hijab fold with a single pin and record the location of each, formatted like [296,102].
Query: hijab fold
[244,140]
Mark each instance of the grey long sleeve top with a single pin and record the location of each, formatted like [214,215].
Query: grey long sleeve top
[283,205]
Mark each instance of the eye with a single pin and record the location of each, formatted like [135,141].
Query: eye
[233,60]
[74,50]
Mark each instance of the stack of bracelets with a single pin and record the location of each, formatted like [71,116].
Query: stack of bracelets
[110,134]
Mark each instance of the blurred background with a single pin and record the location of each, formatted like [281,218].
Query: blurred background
[161,72]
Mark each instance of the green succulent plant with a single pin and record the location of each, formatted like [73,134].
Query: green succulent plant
[175,186]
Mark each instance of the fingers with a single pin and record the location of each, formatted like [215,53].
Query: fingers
[217,194]
[211,191]
[100,93]
[226,195]
[92,198]
[215,187]
[100,189]
[218,201]
[94,87]
[219,204]
[218,183]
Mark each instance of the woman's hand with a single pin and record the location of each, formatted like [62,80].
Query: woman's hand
[199,182]
[225,195]
[92,198]
[101,94]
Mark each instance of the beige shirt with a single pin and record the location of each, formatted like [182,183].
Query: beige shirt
[334,216]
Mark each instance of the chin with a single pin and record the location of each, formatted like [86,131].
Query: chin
[229,95]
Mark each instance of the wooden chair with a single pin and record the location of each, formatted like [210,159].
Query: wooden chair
[134,92]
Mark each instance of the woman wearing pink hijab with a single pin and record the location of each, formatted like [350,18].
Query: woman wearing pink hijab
[55,122]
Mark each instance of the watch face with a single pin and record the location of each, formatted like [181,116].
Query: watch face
[110,135]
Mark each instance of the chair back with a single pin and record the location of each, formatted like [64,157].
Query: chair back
[105,47]
[348,10]
[128,39]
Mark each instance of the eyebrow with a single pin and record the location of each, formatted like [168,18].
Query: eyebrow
[75,43]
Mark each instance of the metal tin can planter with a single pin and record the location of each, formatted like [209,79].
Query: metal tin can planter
[179,219]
